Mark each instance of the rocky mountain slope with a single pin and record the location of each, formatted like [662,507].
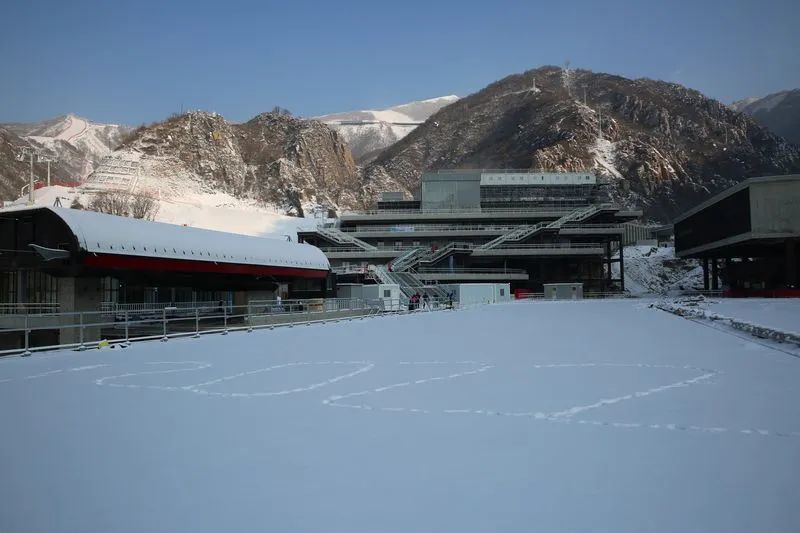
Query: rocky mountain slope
[370,131]
[13,173]
[659,145]
[778,112]
[76,143]
[273,158]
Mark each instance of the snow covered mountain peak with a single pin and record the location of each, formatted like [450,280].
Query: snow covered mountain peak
[78,144]
[369,131]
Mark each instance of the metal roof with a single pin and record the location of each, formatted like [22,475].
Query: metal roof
[114,235]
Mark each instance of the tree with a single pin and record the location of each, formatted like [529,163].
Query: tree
[112,203]
[143,206]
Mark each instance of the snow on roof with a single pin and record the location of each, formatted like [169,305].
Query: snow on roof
[109,234]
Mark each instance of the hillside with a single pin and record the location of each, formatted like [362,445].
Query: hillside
[370,131]
[778,112]
[13,173]
[660,145]
[78,144]
[275,159]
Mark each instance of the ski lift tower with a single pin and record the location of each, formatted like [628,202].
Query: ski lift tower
[29,153]
[47,159]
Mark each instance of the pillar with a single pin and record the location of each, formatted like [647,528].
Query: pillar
[79,295]
[705,274]
[621,268]
[791,263]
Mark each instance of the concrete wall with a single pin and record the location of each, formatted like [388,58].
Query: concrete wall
[775,207]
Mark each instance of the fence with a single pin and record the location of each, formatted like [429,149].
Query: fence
[27,308]
[81,330]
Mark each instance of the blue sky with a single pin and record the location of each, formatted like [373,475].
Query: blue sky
[135,62]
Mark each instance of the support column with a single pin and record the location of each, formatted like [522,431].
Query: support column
[705,274]
[714,275]
[621,268]
[726,275]
[608,264]
[791,263]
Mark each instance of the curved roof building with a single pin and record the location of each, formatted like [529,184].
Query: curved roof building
[59,239]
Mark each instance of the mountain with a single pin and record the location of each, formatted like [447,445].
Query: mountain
[274,158]
[370,131]
[76,144]
[13,172]
[659,145]
[778,112]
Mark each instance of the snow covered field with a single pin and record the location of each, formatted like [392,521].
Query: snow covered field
[531,416]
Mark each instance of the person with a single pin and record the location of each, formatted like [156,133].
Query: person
[414,301]
[425,301]
[450,299]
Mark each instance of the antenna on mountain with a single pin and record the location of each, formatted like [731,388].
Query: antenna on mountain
[534,84]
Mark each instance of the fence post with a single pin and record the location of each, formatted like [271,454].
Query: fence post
[225,319]
[164,322]
[196,322]
[127,332]
[27,351]
[81,347]
[249,318]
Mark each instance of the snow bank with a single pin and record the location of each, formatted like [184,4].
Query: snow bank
[656,270]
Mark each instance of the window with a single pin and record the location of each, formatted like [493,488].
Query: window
[387,293]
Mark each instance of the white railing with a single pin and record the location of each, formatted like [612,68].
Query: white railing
[113,307]
[27,308]
[89,329]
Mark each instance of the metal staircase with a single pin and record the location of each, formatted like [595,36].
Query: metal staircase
[444,251]
[407,260]
[408,282]
[340,237]
[521,233]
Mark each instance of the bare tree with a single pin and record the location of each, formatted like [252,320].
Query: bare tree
[143,206]
[112,203]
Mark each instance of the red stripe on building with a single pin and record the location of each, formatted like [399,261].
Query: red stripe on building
[128,262]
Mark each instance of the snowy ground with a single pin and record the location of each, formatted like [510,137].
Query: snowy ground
[531,416]
[776,313]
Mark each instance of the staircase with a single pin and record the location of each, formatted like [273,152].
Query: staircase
[523,232]
[517,234]
[340,237]
[444,251]
[407,259]
[409,283]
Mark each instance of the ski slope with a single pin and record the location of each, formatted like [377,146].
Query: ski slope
[529,416]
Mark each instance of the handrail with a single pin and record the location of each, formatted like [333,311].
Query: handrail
[168,323]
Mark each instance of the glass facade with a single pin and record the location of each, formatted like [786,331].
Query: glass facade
[451,191]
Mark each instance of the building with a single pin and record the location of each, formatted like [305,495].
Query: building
[519,226]
[66,260]
[747,235]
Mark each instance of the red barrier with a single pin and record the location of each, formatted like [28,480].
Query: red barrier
[62,183]
[761,293]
